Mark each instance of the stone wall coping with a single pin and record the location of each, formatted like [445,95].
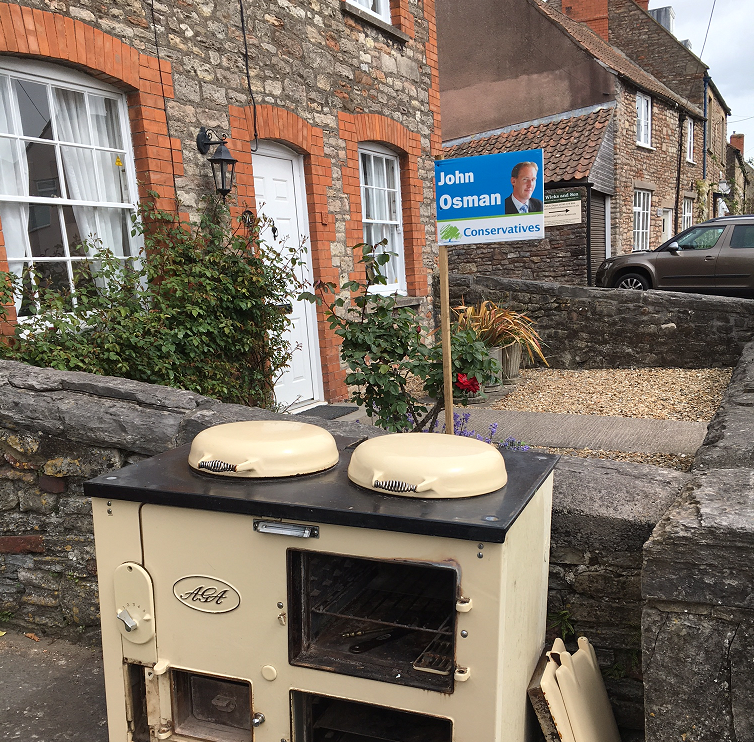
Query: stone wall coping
[621,501]
[701,549]
[730,436]
[631,298]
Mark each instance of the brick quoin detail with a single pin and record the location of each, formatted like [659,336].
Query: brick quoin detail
[430,51]
[401,17]
[287,128]
[146,81]
[368,127]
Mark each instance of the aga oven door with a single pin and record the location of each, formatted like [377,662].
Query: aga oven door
[392,621]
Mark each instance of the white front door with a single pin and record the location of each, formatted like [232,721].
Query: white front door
[279,188]
[667,224]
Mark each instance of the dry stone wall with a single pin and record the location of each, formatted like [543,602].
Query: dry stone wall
[606,328]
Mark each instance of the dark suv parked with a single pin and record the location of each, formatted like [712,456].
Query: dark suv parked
[716,257]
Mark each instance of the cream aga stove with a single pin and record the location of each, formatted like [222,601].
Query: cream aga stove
[275,584]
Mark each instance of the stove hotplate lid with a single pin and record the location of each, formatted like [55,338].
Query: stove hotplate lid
[263,448]
[428,465]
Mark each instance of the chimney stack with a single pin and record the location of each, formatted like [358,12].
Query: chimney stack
[643,4]
[737,140]
[591,12]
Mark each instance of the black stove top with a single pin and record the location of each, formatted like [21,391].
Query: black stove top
[329,496]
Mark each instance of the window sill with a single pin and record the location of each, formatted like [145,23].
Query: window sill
[408,301]
[373,20]
[645,146]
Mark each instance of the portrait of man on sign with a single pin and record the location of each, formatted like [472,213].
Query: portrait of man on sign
[524,181]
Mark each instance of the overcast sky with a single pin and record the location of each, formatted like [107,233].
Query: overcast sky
[729,52]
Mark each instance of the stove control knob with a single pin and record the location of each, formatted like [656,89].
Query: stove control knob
[257,720]
[128,622]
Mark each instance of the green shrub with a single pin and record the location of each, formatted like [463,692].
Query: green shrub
[200,309]
[384,344]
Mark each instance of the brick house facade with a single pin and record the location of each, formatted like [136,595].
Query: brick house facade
[654,164]
[327,77]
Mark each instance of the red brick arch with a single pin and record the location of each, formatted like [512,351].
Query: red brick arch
[371,127]
[146,80]
[285,127]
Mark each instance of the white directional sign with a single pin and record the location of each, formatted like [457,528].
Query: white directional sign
[562,208]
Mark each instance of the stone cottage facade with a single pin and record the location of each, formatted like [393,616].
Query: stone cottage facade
[638,180]
[324,102]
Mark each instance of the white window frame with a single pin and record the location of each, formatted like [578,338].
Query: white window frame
[642,209]
[643,120]
[394,227]
[378,8]
[690,140]
[61,77]
[688,213]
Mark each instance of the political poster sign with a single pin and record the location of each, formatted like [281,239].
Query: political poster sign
[490,198]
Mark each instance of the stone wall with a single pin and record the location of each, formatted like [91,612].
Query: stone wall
[57,429]
[603,512]
[606,328]
[560,257]
[698,619]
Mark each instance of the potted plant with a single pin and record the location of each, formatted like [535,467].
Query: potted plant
[505,332]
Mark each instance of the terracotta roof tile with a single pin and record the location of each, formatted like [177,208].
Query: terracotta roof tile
[613,58]
[570,144]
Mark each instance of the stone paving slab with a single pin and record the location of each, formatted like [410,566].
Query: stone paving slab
[560,430]
[596,432]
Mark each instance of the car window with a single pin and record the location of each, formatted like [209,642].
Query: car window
[701,238]
[743,236]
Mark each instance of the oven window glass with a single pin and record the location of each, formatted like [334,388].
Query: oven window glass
[384,620]
[323,719]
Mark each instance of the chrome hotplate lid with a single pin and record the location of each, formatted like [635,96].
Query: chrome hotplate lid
[263,448]
[428,465]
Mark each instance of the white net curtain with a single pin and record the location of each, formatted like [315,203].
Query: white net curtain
[64,181]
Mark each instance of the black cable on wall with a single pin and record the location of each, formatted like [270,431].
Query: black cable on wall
[164,102]
[255,146]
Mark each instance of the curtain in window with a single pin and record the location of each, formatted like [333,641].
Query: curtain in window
[14,181]
[78,163]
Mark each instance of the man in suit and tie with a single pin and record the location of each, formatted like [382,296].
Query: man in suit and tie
[524,181]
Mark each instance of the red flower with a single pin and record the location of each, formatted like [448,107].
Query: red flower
[466,384]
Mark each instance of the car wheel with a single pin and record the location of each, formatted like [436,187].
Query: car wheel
[633,281]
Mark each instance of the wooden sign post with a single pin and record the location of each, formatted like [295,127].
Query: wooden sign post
[447,360]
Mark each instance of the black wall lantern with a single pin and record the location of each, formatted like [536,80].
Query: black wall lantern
[223,163]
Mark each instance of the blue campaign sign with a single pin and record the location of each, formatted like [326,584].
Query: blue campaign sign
[490,198]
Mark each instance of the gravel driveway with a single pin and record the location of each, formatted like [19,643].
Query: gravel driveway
[657,393]
[690,395]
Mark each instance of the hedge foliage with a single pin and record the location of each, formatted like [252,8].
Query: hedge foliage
[200,309]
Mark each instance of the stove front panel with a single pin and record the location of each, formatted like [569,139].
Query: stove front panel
[222,610]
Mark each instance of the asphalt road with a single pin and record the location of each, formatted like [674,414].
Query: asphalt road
[50,691]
